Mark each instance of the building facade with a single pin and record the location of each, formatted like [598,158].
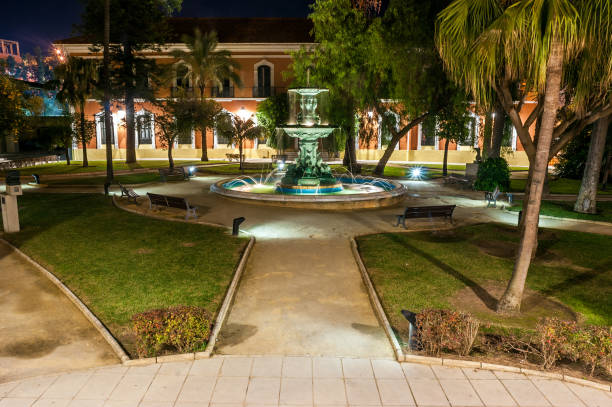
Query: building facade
[262,47]
[9,48]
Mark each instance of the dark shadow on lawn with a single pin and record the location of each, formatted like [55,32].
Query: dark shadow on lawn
[484,295]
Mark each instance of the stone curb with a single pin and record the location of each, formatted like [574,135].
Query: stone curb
[229,298]
[221,316]
[119,351]
[378,309]
[585,221]
[429,360]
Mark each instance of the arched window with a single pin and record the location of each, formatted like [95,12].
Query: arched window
[144,128]
[264,81]
[101,125]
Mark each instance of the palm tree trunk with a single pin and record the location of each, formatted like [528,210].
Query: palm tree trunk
[107,91]
[607,170]
[130,132]
[83,136]
[203,131]
[486,138]
[170,160]
[586,201]
[240,155]
[498,131]
[350,155]
[445,162]
[510,302]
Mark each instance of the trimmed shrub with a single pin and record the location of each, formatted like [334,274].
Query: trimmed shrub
[551,340]
[592,345]
[181,329]
[439,330]
[493,172]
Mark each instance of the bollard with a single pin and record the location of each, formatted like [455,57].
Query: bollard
[36,178]
[106,187]
[236,225]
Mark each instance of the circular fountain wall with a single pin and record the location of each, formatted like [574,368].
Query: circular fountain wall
[309,182]
[356,193]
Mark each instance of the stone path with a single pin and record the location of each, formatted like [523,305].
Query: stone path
[296,381]
[302,297]
[41,331]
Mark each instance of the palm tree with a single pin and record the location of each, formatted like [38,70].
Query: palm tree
[206,66]
[239,129]
[489,49]
[77,79]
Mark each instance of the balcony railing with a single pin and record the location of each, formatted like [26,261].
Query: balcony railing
[226,92]
[181,91]
[267,91]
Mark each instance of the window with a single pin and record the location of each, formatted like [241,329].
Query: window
[184,137]
[428,132]
[144,124]
[222,141]
[389,121]
[182,77]
[264,81]
[102,123]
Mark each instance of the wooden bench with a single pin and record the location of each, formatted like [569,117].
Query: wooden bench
[129,194]
[492,197]
[177,173]
[231,157]
[442,211]
[172,202]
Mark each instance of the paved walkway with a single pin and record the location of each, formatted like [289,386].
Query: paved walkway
[41,331]
[296,381]
[303,297]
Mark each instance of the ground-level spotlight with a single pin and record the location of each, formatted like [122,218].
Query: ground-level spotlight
[236,225]
[417,172]
[280,164]
[192,171]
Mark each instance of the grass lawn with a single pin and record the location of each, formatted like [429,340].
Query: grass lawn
[76,167]
[138,178]
[234,169]
[566,210]
[468,269]
[120,263]
[557,186]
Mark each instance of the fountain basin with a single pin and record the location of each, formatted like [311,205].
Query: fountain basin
[356,193]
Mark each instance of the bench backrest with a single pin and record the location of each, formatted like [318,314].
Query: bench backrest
[175,202]
[172,171]
[421,211]
[170,201]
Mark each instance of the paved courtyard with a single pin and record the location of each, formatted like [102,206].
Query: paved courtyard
[296,381]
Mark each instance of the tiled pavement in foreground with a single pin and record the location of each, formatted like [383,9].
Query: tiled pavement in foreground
[295,381]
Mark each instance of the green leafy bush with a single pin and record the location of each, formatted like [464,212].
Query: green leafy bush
[181,329]
[439,330]
[592,345]
[493,172]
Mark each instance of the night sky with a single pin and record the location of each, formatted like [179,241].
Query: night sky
[39,22]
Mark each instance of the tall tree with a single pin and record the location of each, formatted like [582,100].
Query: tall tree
[12,110]
[587,196]
[77,79]
[205,65]
[138,26]
[525,47]
[107,93]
